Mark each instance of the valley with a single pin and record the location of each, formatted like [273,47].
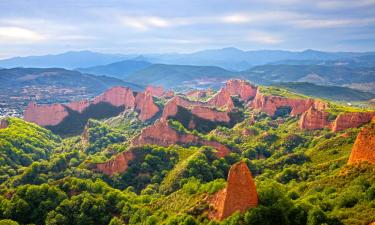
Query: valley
[243,154]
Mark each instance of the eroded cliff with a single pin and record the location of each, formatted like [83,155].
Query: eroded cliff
[239,195]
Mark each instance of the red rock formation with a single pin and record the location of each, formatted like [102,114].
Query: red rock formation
[241,88]
[145,105]
[350,120]
[45,115]
[210,114]
[117,96]
[314,119]
[269,104]
[51,115]
[118,164]
[4,123]
[222,100]
[160,133]
[79,106]
[364,146]
[155,91]
[168,94]
[199,109]
[239,195]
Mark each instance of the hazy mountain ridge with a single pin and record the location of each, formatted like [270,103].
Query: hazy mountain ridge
[228,58]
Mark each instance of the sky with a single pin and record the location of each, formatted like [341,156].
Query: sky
[37,27]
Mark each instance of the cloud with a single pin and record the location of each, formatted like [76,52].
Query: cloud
[336,4]
[263,38]
[144,23]
[332,23]
[19,35]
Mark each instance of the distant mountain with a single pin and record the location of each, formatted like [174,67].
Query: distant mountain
[236,59]
[118,69]
[178,75]
[21,77]
[334,93]
[68,60]
[318,74]
[228,58]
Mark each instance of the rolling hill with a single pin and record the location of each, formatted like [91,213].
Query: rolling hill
[118,69]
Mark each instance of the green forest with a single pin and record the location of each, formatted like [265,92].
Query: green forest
[302,176]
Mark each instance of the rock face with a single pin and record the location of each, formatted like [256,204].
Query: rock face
[117,96]
[269,104]
[241,88]
[119,164]
[199,109]
[45,115]
[4,123]
[222,100]
[155,91]
[146,106]
[160,133]
[239,195]
[51,115]
[350,120]
[79,106]
[364,146]
[314,119]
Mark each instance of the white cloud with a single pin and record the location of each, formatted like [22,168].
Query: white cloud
[263,38]
[19,35]
[145,23]
[236,18]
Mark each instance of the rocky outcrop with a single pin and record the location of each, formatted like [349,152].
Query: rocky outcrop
[241,88]
[222,100]
[210,114]
[364,146]
[52,115]
[269,104]
[4,123]
[314,119]
[351,120]
[45,115]
[160,133]
[79,106]
[198,109]
[145,106]
[118,164]
[239,195]
[156,91]
[117,96]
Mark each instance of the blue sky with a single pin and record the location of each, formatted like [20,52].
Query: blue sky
[34,27]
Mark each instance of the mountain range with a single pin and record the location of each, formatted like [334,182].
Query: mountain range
[228,58]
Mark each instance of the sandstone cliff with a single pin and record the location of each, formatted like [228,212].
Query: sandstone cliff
[269,104]
[314,119]
[145,106]
[241,88]
[118,164]
[350,120]
[364,146]
[239,195]
[156,91]
[45,115]
[222,100]
[51,115]
[160,133]
[117,96]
